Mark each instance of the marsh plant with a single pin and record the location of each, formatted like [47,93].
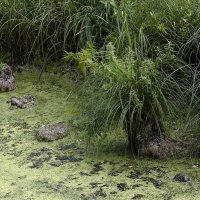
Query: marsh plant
[85,59]
[136,92]
[31,29]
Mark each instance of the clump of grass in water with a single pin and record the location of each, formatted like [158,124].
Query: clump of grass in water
[137,92]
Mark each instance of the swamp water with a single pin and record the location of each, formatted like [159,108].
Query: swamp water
[67,168]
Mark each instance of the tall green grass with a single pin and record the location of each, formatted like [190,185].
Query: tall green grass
[52,27]
[47,27]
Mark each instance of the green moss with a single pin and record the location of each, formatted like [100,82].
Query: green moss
[66,169]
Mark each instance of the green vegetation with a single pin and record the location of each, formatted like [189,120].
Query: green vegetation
[140,59]
[135,92]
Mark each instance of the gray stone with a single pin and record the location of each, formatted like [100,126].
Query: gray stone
[182,177]
[157,147]
[6,70]
[52,132]
[7,83]
[7,80]
[22,102]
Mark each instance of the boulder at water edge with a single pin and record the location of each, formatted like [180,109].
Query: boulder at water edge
[52,132]
[7,80]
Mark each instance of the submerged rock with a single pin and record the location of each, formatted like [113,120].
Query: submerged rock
[52,132]
[7,80]
[182,177]
[22,102]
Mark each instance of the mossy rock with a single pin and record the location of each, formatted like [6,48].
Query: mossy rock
[182,177]
[7,83]
[22,102]
[7,80]
[52,132]
[158,147]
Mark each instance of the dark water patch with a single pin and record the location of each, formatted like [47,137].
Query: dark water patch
[69,153]
[94,184]
[100,193]
[66,147]
[39,157]
[135,174]
[138,196]
[66,158]
[55,164]
[157,183]
[46,186]
[116,172]
[122,186]
[37,163]
[136,186]
[96,168]
[39,152]
[4,138]
[113,173]
[97,184]
[113,192]
[54,158]
[82,173]
[20,125]
[160,171]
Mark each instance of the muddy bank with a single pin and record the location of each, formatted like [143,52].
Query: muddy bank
[67,168]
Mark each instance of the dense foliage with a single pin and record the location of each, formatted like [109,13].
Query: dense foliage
[140,58]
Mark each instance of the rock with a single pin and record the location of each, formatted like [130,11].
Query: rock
[22,102]
[7,80]
[7,83]
[1,130]
[52,132]
[6,71]
[182,177]
[157,147]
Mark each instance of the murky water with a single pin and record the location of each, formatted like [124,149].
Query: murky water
[67,168]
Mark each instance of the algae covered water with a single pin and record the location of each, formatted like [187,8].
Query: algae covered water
[67,168]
